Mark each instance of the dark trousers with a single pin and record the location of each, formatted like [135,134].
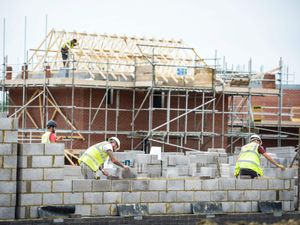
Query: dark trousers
[249,172]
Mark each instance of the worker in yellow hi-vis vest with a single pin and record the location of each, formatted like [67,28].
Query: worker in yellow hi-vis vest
[65,51]
[94,157]
[248,162]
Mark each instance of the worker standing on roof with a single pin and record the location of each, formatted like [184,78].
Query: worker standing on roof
[50,136]
[65,51]
[248,162]
[94,157]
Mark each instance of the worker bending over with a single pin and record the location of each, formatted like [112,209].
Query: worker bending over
[248,162]
[50,136]
[94,157]
[65,51]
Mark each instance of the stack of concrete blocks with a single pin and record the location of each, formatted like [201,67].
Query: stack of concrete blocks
[148,165]
[40,178]
[8,167]
[284,155]
[175,165]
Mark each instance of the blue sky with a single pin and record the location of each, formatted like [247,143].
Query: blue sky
[264,30]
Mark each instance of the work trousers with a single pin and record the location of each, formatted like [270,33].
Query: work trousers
[87,172]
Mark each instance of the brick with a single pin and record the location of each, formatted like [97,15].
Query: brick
[227,184]
[139,185]
[8,124]
[54,149]
[58,161]
[243,184]
[185,196]
[101,185]
[10,136]
[149,196]
[112,197]
[5,200]
[73,198]
[211,184]
[84,210]
[202,196]
[52,199]
[7,212]
[218,196]
[157,185]
[259,184]
[131,197]
[157,208]
[243,207]
[251,195]
[62,186]
[120,185]
[31,149]
[54,174]
[228,207]
[175,185]
[82,185]
[268,195]
[181,208]
[41,186]
[5,149]
[5,174]
[7,187]
[92,197]
[41,161]
[101,210]
[167,196]
[276,184]
[235,195]
[30,199]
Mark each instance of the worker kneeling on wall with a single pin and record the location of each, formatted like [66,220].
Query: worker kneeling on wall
[248,162]
[94,157]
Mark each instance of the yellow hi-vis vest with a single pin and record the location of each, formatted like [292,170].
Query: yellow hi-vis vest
[249,158]
[46,138]
[94,156]
[68,45]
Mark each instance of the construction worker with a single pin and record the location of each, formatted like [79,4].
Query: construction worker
[50,136]
[65,51]
[248,162]
[94,157]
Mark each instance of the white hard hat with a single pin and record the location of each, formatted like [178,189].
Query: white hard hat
[255,137]
[115,139]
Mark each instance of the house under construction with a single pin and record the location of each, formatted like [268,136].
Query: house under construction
[147,92]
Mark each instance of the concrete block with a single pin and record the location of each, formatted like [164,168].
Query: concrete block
[5,174]
[7,187]
[157,185]
[58,161]
[62,186]
[1,136]
[22,161]
[243,184]
[8,124]
[178,208]
[101,185]
[157,208]
[54,149]
[259,184]
[227,184]
[254,206]
[41,186]
[112,197]
[31,149]
[126,210]
[54,174]
[202,196]
[84,210]
[73,198]
[5,200]
[243,207]
[139,185]
[268,195]
[185,196]
[251,195]
[92,197]
[207,208]
[276,184]
[143,158]
[30,199]
[228,207]
[52,199]
[149,196]
[120,185]
[7,213]
[82,185]
[287,184]
[101,210]
[21,212]
[286,195]
[269,206]
[10,136]
[167,196]
[218,196]
[33,211]
[286,206]
[41,161]
[211,184]
[175,185]
[5,149]
[192,185]
[131,197]
[235,195]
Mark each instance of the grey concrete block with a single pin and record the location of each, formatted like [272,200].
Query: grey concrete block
[62,186]
[5,200]
[73,198]
[139,185]
[259,184]
[30,199]
[212,184]
[33,211]
[52,199]
[82,185]
[286,195]
[218,196]
[270,206]
[20,212]
[276,184]
[93,197]
[207,208]
[8,187]
[157,208]
[8,124]
[101,210]
[243,184]
[254,206]
[243,207]
[31,149]
[227,184]
[235,195]
[131,197]
[7,212]
[178,208]
[228,207]
[287,184]
[149,196]
[5,174]
[10,136]
[268,195]
[126,210]
[202,196]
[112,197]
[192,185]
[101,185]
[58,161]
[41,186]
[41,161]
[5,149]
[157,185]
[185,196]
[54,149]
[251,195]
[175,185]
[22,161]
[120,185]
[167,196]
[54,174]
[83,210]
[1,136]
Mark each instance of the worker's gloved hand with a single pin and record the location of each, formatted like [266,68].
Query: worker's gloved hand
[281,166]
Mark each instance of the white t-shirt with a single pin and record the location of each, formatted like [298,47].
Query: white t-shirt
[107,147]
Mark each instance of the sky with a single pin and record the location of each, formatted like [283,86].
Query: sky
[263,30]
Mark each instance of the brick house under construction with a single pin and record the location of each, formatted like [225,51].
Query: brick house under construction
[145,91]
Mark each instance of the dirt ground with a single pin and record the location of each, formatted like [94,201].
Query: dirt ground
[282,222]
